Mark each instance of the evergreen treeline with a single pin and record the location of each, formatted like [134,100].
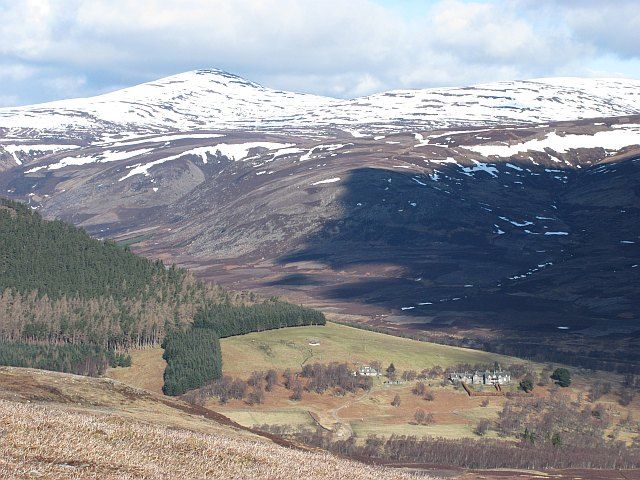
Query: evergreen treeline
[79,359]
[192,362]
[58,259]
[58,285]
[193,359]
[68,302]
[230,320]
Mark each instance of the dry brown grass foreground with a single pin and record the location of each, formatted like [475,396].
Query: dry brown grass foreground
[67,437]
[46,442]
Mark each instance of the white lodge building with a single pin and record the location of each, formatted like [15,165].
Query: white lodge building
[496,377]
[366,371]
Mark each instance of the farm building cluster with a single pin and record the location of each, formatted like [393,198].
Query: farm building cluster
[495,377]
[487,377]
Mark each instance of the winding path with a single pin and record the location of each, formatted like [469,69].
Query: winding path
[342,427]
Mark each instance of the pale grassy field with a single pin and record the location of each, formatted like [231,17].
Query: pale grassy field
[456,414]
[293,417]
[147,368]
[289,348]
[368,414]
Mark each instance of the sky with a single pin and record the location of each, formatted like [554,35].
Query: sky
[57,49]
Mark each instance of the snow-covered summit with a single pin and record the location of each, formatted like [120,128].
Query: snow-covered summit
[192,100]
[213,99]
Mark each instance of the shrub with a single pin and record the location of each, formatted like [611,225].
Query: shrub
[626,396]
[482,427]
[256,396]
[423,418]
[272,380]
[598,389]
[297,390]
[419,389]
[288,379]
[225,389]
[391,371]
[409,375]
[526,385]
[323,377]
[562,376]
[256,379]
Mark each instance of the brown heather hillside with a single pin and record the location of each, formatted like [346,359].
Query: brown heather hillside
[59,426]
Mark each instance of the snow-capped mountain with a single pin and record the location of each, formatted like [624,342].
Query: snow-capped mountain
[512,206]
[213,99]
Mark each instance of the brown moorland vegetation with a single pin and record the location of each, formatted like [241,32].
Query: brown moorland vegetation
[60,426]
[46,442]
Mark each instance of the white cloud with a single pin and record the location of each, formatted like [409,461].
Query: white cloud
[486,33]
[606,26]
[16,72]
[331,47]
[27,27]
[612,28]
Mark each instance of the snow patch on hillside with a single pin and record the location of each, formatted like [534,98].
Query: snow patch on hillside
[103,157]
[286,151]
[158,139]
[33,149]
[355,133]
[609,140]
[329,180]
[239,151]
[25,148]
[480,167]
[233,151]
[321,148]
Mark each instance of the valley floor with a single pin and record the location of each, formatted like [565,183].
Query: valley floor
[456,415]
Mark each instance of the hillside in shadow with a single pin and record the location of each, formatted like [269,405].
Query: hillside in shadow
[514,250]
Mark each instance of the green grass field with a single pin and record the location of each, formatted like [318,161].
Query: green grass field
[289,348]
[291,417]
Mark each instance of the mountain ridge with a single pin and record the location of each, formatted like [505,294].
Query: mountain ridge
[214,99]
